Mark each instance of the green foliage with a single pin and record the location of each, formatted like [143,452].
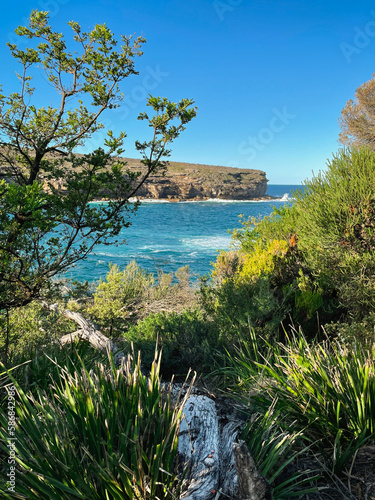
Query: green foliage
[272,449]
[105,433]
[234,307]
[325,390]
[35,369]
[262,260]
[336,228]
[317,255]
[256,288]
[119,294]
[47,220]
[127,296]
[187,340]
[30,327]
[279,225]
[350,333]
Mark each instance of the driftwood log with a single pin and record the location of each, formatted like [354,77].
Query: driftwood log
[216,464]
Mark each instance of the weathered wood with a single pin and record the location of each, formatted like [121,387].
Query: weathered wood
[216,465]
[88,331]
[198,444]
[251,484]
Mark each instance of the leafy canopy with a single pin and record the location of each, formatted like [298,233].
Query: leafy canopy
[47,221]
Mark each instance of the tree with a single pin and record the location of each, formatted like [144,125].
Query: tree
[358,117]
[45,230]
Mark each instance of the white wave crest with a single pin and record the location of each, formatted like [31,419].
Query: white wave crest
[209,243]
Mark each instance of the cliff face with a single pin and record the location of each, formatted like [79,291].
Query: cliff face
[187,181]
[200,182]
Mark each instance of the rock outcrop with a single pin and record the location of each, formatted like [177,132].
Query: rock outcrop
[184,181]
[187,181]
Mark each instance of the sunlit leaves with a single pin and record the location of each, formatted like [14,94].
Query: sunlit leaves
[97,432]
[47,219]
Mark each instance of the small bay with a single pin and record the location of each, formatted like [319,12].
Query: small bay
[167,236]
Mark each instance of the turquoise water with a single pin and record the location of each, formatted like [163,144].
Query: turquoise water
[171,235]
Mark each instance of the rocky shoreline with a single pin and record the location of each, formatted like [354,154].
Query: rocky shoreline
[193,200]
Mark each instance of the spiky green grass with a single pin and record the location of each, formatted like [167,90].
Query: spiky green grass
[104,433]
[326,390]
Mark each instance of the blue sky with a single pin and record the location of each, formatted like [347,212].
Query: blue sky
[269,77]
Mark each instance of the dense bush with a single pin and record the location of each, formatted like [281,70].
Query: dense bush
[325,390]
[105,433]
[310,263]
[129,295]
[187,340]
[29,328]
[35,369]
[234,308]
[264,287]
[336,228]
[116,297]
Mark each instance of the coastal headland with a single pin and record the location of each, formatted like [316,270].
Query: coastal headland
[188,181]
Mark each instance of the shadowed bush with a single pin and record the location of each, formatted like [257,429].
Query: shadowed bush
[187,340]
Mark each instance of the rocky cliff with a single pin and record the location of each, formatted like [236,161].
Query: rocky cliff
[186,181]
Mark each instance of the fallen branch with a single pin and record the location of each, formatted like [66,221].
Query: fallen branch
[88,331]
[218,466]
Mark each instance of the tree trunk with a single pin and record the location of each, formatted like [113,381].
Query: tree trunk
[216,465]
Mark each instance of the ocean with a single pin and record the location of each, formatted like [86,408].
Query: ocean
[167,235]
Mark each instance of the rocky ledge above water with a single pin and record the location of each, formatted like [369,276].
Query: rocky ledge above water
[186,181]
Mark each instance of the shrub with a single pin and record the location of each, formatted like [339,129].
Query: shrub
[316,257]
[325,390]
[279,225]
[29,328]
[234,307]
[336,228]
[187,340]
[227,265]
[257,288]
[119,294]
[349,334]
[262,260]
[35,369]
[132,294]
[105,433]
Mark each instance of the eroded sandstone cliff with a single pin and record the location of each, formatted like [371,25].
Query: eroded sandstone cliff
[184,181]
[187,181]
